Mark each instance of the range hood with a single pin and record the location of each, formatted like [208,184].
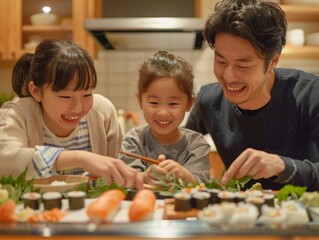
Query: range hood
[147,32]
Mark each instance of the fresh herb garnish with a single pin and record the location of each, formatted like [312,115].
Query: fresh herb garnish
[170,183]
[290,191]
[16,187]
[101,187]
[233,185]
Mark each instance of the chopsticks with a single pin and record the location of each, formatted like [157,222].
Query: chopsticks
[147,159]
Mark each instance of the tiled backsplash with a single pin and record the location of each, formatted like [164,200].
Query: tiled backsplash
[118,72]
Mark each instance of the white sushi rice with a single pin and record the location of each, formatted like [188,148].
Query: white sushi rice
[273,218]
[212,214]
[201,195]
[58,183]
[244,216]
[52,195]
[296,214]
[76,194]
[31,196]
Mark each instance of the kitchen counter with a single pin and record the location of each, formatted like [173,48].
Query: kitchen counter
[156,229]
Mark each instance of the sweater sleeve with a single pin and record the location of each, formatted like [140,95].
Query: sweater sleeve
[106,133]
[44,160]
[131,144]
[197,159]
[15,149]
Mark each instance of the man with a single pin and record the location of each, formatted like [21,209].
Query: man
[264,120]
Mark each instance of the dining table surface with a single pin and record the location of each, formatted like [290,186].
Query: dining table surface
[152,229]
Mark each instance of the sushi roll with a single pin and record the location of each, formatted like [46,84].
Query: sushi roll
[214,195]
[76,199]
[296,214]
[226,196]
[31,200]
[201,187]
[254,193]
[227,209]
[272,218]
[269,199]
[52,200]
[183,202]
[201,199]
[257,201]
[240,196]
[211,214]
[142,206]
[189,190]
[106,206]
[244,216]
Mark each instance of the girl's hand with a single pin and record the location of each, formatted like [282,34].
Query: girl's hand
[111,169]
[174,168]
[115,170]
[150,176]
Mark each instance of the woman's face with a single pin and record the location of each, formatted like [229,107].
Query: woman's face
[241,72]
[63,110]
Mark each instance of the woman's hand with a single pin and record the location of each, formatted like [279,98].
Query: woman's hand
[257,164]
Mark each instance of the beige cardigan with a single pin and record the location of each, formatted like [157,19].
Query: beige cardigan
[20,132]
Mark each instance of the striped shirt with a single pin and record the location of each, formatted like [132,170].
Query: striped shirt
[45,156]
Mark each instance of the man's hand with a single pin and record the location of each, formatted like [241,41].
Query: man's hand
[254,163]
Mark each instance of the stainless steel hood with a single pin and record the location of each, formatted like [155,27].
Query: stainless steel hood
[147,32]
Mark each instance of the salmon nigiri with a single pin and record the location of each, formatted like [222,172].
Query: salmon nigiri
[105,207]
[142,206]
[7,211]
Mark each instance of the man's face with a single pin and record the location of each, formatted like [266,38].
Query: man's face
[241,72]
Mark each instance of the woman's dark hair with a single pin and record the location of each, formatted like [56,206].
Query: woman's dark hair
[55,63]
[260,22]
[165,65]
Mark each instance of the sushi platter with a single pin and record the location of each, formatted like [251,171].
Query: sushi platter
[214,207]
[111,207]
[80,215]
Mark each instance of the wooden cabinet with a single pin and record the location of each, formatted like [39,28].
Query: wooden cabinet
[10,29]
[16,30]
[301,13]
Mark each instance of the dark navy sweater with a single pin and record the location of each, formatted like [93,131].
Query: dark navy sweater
[288,126]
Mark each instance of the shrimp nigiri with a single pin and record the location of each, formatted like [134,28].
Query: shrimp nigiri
[105,207]
[142,206]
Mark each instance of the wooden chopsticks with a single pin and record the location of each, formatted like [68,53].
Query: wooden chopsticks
[147,159]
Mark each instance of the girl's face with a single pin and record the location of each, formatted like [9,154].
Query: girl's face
[241,72]
[164,106]
[63,110]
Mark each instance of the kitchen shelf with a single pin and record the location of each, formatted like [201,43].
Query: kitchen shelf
[50,28]
[303,13]
[310,52]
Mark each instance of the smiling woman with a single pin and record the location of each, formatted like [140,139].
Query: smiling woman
[49,128]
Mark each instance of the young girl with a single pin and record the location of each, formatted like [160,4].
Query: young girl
[57,125]
[165,93]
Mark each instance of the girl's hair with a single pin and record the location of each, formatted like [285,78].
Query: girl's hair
[260,22]
[165,65]
[55,63]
